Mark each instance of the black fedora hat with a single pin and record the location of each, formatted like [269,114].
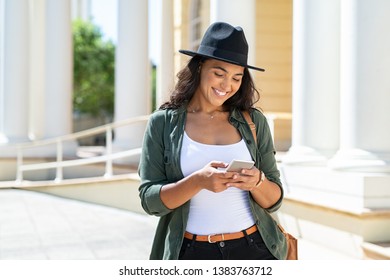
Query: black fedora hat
[224,42]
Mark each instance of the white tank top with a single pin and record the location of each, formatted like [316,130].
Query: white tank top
[213,213]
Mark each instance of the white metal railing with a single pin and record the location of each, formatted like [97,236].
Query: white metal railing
[108,157]
[60,163]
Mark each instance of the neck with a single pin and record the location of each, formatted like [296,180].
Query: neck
[210,112]
[199,107]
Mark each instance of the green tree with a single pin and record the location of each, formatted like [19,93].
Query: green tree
[154,74]
[94,72]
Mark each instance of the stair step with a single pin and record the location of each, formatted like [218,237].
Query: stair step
[377,250]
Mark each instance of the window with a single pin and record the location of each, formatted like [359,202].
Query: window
[195,26]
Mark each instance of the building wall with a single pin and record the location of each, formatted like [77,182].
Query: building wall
[274,53]
[182,12]
[181,33]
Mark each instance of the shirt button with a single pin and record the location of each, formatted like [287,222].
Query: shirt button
[222,244]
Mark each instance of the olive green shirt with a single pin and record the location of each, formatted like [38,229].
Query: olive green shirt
[160,165]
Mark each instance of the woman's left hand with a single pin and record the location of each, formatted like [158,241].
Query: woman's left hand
[265,193]
[246,180]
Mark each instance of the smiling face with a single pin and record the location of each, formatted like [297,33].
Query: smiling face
[218,82]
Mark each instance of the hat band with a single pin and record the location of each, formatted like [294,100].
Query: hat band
[223,54]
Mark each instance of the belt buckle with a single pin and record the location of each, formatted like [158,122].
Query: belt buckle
[211,235]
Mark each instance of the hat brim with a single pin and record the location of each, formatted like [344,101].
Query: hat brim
[192,53]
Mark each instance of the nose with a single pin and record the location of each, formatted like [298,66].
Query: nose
[226,84]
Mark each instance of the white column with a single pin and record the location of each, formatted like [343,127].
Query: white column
[3,138]
[315,122]
[365,87]
[81,9]
[59,63]
[238,13]
[362,84]
[37,70]
[132,70]
[15,67]
[165,68]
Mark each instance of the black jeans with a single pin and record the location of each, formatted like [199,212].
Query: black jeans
[249,247]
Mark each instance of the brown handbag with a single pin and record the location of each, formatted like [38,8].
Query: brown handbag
[292,242]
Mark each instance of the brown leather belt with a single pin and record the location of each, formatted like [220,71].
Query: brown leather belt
[212,238]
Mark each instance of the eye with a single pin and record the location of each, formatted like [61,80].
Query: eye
[218,74]
[237,79]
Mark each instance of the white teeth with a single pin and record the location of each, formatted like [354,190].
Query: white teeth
[220,93]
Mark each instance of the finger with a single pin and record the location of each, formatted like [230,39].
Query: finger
[248,172]
[230,175]
[218,164]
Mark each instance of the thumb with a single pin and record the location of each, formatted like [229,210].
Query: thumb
[218,164]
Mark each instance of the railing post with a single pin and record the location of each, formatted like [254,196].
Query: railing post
[108,152]
[59,173]
[19,163]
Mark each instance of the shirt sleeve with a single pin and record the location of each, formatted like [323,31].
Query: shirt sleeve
[267,151]
[152,167]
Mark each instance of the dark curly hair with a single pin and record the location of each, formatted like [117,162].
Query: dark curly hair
[189,80]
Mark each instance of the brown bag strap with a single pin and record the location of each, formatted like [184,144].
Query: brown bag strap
[292,242]
[252,126]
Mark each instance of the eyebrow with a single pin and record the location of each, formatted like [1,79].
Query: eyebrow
[223,69]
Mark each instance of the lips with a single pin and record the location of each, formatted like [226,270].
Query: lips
[220,93]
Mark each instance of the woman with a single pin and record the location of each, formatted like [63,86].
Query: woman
[206,212]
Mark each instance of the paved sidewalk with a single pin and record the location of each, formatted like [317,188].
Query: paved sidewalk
[41,226]
[45,227]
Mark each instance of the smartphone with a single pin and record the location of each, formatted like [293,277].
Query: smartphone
[236,165]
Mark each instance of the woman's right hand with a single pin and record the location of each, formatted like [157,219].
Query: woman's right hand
[214,179]
[211,178]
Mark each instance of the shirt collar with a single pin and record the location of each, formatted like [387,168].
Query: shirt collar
[236,115]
